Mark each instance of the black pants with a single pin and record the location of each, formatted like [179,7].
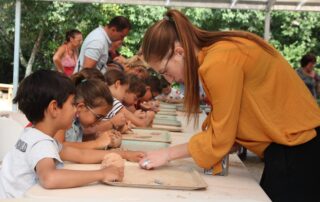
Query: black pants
[293,173]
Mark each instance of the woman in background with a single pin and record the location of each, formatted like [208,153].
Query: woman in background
[308,74]
[65,58]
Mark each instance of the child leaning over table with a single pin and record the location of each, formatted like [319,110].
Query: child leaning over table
[47,99]
[90,111]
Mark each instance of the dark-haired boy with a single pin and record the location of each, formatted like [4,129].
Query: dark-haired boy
[47,99]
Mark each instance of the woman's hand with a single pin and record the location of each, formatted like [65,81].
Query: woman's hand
[154,159]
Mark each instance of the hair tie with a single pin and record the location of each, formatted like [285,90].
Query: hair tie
[83,80]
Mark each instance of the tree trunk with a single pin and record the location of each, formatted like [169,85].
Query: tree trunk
[33,54]
[22,59]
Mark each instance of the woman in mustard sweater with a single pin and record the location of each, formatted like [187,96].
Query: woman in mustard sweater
[257,98]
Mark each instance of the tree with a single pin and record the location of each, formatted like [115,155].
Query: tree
[44,23]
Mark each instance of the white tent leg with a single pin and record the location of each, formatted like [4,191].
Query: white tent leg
[16,51]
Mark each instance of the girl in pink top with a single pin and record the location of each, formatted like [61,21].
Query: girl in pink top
[66,56]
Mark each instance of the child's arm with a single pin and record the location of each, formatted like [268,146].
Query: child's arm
[137,121]
[101,142]
[115,122]
[51,178]
[96,156]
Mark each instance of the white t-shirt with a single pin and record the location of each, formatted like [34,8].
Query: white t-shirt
[116,107]
[18,167]
[95,46]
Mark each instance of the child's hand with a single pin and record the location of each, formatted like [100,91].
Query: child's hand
[112,174]
[112,159]
[124,129]
[134,156]
[112,167]
[150,117]
[145,106]
[118,121]
[116,139]
[103,140]
[140,114]
[130,125]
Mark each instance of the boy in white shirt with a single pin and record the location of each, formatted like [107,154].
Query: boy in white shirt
[47,99]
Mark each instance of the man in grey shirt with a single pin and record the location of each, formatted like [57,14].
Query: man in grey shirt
[94,50]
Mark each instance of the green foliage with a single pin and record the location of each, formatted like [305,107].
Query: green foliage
[293,33]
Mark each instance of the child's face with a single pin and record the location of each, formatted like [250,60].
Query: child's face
[68,111]
[148,95]
[166,90]
[89,116]
[122,91]
[130,99]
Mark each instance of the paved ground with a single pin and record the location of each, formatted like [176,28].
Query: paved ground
[254,165]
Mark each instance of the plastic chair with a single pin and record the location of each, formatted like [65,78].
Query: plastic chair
[10,132]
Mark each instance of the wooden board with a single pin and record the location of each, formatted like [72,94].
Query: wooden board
[148,135]
[167,110]
[169,128]
[167,122]
[167,177]
[167,117]
[172,113]
[167,106]
[137,145]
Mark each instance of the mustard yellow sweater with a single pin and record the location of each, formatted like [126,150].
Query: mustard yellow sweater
[257,99]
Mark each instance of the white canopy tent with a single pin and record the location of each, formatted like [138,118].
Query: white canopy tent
[266,5]
[297,5]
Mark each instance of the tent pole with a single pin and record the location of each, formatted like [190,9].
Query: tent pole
[16,51]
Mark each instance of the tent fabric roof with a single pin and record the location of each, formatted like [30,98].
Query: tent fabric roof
[290,5]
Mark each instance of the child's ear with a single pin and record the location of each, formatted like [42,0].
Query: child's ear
[80,106]
[117,84]
[179,51]
[53,108]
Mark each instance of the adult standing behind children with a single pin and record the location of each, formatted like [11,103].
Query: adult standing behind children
[94,51]
[258,101]
[308,75]
[66,57]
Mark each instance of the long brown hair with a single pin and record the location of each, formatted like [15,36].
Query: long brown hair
[160,38]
